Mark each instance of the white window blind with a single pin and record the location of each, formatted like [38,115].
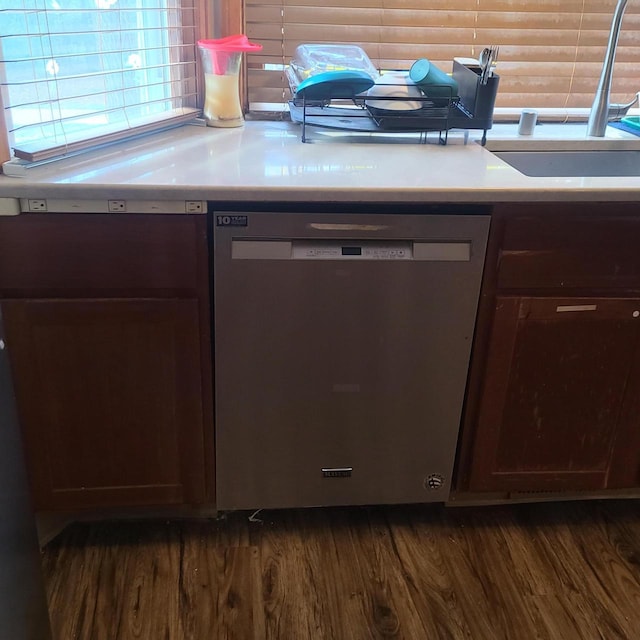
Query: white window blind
[75,73]
[551,51]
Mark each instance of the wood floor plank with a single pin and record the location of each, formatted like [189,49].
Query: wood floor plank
[353,616]
[380,602]
[418,548]
[596,613]
[71,583]
[627,532]
[198,579]
[324,589]
[239,613]
[476,557]
[608,572]
[387,581]
[292,598]
[556,603]
[151,590]
[110,580]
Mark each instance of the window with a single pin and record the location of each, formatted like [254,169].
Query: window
[79,72]
[551,51]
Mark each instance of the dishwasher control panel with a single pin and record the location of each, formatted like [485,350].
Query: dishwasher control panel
[382,250]
[351,250]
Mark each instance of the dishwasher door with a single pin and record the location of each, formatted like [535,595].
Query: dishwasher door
[342,346]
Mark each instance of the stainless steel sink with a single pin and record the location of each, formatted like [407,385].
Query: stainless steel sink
[573,163]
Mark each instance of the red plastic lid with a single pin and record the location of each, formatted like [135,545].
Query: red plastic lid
[231,43]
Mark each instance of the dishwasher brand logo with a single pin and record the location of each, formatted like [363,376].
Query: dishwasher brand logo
[231,221]
[337,472]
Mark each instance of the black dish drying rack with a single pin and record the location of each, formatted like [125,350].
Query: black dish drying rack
[472,108]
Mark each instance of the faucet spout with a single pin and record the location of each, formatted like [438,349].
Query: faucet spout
[599,114]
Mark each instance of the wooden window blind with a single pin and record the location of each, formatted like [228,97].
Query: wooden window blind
[76,73]
[551,51]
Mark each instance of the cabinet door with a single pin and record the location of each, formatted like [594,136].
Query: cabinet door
[109,398]
[555,393]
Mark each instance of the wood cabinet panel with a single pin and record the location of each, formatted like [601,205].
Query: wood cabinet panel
[556,400]
[566,252]
[110,398]
[93,255]
[625,468]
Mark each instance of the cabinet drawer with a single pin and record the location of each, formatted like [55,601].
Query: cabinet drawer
[72,253]
[570,252]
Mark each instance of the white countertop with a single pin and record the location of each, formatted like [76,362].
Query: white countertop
[267,161]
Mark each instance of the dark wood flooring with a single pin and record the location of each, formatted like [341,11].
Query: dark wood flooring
[565,571]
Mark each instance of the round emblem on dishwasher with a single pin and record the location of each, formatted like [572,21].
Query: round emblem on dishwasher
[434,481]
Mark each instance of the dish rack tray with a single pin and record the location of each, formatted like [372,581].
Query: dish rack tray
[472,108]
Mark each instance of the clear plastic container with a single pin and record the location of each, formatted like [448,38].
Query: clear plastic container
[312,59]
[221,61]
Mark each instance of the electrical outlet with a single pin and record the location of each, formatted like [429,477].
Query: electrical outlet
[37,205]
[116,206]
[193,206]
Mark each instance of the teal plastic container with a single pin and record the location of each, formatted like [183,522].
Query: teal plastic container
[632,121]
[433,82]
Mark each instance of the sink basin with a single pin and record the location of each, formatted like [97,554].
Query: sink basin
[573,164]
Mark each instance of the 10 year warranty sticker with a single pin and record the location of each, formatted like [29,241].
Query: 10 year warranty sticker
[225,220]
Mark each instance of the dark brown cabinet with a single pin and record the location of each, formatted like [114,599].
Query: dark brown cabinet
[554,391]
[559,387]
[107,323]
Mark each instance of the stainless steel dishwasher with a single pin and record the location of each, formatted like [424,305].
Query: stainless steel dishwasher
[342,344]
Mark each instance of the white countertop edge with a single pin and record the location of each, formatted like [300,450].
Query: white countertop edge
[266,161]
[416,196]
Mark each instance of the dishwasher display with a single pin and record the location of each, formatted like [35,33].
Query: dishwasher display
[342,346]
